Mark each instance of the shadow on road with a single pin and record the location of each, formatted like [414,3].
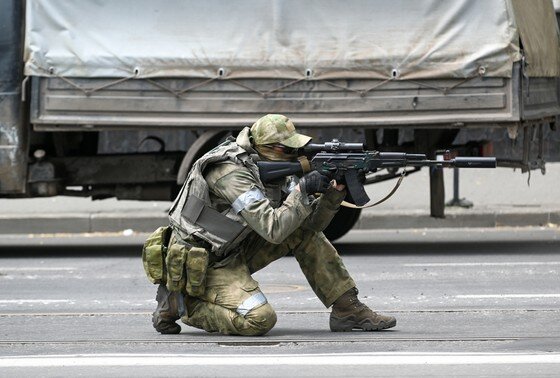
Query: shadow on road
[70,251]
[370,249]
[449,248]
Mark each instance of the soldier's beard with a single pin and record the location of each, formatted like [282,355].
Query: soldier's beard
[270,154]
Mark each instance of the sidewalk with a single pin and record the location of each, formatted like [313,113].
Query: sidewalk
[501,197]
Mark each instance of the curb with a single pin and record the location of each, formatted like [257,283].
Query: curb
[457,219]
[76,223]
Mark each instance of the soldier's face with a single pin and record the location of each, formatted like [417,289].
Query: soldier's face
[278,152]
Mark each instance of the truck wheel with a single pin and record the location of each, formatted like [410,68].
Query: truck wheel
[342,222]
[202,145]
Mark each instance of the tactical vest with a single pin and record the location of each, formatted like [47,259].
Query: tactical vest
[192,214]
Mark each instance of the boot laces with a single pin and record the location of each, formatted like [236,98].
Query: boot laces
[357,304]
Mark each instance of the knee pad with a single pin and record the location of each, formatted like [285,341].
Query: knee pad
[259,320]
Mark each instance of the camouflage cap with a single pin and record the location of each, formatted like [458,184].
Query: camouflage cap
[276,128]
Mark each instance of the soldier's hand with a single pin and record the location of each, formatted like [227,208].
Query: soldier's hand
[314,182]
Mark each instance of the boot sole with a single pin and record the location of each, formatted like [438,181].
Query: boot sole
[349,324]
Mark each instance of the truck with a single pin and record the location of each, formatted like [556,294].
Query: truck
[112,98]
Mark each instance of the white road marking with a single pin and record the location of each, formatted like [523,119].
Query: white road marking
[484,296]
[42,301]
[521,263]
[37,269]
[276,359]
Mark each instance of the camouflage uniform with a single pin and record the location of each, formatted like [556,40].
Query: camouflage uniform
[232,302]
[277,222]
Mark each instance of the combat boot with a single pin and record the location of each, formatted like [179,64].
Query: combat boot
[349,313]
[167,311]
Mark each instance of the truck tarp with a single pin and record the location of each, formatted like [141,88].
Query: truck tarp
[532,18]
[317,39]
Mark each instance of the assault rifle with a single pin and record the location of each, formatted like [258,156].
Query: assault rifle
[349,163]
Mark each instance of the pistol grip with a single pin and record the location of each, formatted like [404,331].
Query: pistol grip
[355,187]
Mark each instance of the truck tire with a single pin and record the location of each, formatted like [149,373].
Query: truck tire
[343,222]
[202,145]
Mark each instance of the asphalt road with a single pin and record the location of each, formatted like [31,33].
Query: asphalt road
[482,306]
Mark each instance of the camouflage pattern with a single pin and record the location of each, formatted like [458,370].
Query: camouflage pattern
[276,128]
[279,223]
[272,224]
[197,264]
[324,210]
[153,254]
[229,285]
[216,309]
[318,259]
[196,186]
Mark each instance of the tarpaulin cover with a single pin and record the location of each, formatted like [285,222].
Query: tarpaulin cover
[532,19]
[374,39]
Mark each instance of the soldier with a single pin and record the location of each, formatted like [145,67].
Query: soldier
[226,224]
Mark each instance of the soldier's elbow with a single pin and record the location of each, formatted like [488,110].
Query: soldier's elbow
[273,237]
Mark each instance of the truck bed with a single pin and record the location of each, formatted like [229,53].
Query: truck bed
[64,104]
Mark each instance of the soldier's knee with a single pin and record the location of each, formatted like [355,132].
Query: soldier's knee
[259,321]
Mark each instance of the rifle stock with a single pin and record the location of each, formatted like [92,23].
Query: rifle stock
[273,170]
